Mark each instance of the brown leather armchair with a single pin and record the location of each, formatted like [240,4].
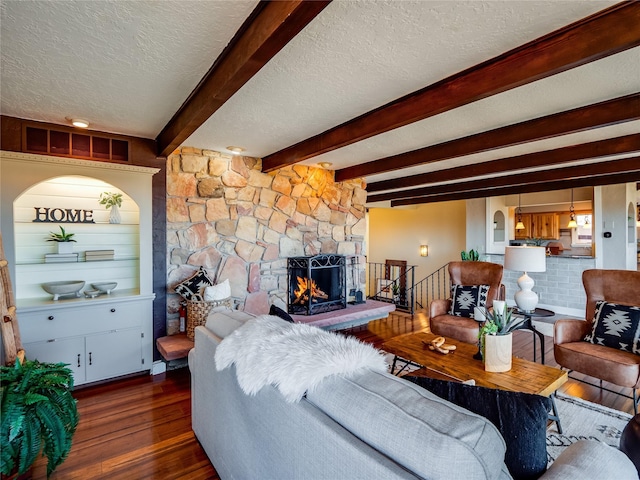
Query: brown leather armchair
[465,273]
[605,363]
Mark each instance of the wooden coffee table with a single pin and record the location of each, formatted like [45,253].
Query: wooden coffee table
[459,365]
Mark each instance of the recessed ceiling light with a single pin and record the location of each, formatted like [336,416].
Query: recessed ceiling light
[77,122]
[235,150]
[325,165]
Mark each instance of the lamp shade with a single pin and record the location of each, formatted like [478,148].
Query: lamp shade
[525,259]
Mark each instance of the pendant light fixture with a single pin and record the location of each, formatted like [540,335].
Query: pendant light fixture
[519,225]
[572,214]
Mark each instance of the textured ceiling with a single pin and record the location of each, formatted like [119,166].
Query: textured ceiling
[127,67]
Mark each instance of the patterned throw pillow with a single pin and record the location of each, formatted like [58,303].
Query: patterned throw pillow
[193,288]
[464,298]
[616,326]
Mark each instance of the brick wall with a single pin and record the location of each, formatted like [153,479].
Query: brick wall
[559,288]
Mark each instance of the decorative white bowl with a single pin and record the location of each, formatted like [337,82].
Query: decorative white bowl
[66,287]
[105,287]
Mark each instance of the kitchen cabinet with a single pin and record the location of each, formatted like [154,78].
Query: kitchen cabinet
[545,226]
[539,225]
[526,233]
[98,338]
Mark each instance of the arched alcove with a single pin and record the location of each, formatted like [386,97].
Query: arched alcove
[72,202]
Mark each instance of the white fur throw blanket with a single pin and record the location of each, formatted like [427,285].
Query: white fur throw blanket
[293,357]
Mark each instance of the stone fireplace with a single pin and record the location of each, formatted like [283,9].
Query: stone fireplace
[316,284]
[241,224]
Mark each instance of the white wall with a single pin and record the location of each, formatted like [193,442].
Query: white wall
[476,211]
[611,211]
[396,234]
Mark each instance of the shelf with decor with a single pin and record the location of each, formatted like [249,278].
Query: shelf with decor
[102,335]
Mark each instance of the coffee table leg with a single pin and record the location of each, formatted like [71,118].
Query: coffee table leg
[554,415]
[393,365]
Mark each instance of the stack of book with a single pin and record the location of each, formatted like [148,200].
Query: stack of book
[60,257]
[94,255]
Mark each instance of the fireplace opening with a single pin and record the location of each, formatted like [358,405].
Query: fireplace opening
[316,284]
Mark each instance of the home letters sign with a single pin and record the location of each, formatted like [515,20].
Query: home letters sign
[63,215]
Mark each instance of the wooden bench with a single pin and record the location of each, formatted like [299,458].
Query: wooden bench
[173,347]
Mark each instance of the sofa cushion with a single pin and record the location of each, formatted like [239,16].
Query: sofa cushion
[520,417]
[193,287]
[424,433]
[616,326]
[222,321]
[221,291]
[464,298]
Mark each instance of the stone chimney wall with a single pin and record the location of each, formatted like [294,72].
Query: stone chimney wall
[240,224]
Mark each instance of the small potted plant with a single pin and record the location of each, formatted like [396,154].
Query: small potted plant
[114,202]
[63,239]
[38,413]
[472,256]
[496,337]
[395,288]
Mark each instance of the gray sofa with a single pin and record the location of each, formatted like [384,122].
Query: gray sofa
[372,426]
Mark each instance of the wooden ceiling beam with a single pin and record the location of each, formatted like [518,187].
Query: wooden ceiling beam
[598,115]
[605,33]
[269,28]
[592,181]
[565,173]
[602,148]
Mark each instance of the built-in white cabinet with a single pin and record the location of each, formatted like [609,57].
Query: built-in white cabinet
[100,337]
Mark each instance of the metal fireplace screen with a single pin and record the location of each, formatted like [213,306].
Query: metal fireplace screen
[316,284]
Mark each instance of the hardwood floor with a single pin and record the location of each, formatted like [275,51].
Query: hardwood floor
[137,428]
[140,428]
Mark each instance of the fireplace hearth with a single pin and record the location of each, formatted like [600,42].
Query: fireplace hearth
[316,284]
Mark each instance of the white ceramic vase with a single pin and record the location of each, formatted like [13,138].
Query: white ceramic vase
[498,352]
[114,216]
[65,247]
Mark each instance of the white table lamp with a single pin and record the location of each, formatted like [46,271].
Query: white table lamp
[525,259]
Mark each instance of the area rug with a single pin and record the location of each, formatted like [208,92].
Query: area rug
[582,420]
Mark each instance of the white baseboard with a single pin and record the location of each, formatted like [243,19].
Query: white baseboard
[158,367]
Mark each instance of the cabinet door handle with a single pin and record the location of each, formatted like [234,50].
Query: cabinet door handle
[90,359]
[78,360]
[50,317]
[113,310]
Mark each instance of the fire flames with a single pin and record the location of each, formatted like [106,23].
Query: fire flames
[308,289]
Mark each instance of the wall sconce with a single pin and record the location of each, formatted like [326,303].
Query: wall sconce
[424,250]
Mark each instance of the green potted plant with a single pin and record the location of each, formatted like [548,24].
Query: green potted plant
[495,337]
[472,256]
[39,414]
[395,289]
[114,202]
[63,239]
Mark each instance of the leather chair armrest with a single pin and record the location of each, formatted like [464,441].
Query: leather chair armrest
[439,307]
[569,330]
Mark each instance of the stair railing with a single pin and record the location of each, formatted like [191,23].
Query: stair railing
[431,287]
[381,279]
[412,296]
